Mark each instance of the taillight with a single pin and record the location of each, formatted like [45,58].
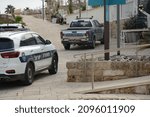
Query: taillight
[10,71]
[61,34]
[10,55]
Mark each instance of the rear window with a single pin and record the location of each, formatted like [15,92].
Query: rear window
[6,44]
[81,23]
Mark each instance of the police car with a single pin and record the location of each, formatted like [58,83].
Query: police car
[24,54]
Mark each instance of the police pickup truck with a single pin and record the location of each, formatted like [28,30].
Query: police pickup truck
[82,32]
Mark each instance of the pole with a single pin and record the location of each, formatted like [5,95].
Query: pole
[79,8]
[118,28]
[93,64]
[106,29]
[43,9]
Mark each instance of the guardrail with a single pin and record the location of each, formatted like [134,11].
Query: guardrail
[110,50]
[124,33]
[92,54]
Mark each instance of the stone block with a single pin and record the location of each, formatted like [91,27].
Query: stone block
[74,79]
[147,66]
[114,78]
[98,78]
[113,73]
[143,73]
[110,78]
[71,65]
[75,72]
[118,65]
[103,65]
[80,65]
[86,79]
[89,73]
[130,73]
[148,88]
[141,90]
[89,65]
[98,72]
[129,90]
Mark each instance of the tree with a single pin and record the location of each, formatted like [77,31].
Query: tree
[10,10]
[70,6]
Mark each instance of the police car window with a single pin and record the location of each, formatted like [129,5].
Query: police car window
[39,39]
[28,40]
[6,44]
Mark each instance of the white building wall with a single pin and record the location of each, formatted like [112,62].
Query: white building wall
[126,11]
[97,13]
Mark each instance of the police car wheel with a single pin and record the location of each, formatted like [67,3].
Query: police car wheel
[29,74]
[54,66]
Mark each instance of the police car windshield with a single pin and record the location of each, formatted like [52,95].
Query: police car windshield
[81,23]
[6,44]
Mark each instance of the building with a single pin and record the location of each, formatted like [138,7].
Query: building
[61,7]
[17,12]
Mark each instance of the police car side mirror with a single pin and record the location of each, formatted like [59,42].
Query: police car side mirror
[47,42]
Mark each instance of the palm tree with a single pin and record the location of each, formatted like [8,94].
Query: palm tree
[10,10]
[70,5]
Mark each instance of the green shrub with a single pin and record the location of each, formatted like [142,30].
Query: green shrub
[18,19]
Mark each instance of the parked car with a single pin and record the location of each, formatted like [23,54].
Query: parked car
[24,54]
[12,27]
[82,32]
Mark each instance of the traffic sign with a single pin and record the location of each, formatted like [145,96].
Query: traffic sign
[108,2]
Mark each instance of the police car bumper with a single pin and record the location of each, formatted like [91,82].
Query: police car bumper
[12,69]
[4,77]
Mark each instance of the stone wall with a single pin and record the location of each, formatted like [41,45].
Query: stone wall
[106,70]
[143,89]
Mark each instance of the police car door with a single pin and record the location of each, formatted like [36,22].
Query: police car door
[30,50]
[45,52]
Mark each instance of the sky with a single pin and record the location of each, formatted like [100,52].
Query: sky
[20,4]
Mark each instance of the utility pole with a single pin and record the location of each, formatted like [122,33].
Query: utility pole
[79,8]
[43,9]
[106,29]
[118,28]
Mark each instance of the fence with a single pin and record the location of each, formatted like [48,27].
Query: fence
[94,56]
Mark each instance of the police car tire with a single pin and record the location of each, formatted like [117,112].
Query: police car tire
[54,67]
[29,74]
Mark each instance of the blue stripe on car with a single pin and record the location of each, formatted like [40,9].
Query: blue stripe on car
[37,57]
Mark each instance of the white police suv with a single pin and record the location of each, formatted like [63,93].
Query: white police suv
[23,54]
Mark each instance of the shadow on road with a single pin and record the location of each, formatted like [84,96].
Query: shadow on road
[19,84]
[76,47]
